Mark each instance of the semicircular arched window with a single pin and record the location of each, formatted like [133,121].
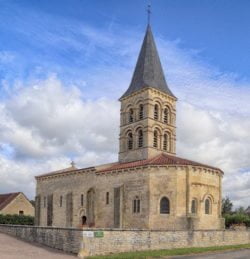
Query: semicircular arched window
[130,140]
[165,142]
[156,112]
[140,138]
[164,206]
[208,206]
[141,111]
[155,142]
[166,115]
[131,116]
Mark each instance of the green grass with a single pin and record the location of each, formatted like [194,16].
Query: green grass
[171,252]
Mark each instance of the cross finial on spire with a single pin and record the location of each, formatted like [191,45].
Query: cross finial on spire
[149,12]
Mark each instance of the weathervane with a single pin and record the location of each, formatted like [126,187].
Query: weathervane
[149,12]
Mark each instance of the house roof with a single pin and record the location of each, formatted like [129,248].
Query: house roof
[162,159]
[7,198]
[148,71]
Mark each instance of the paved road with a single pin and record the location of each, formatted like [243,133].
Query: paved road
[12,248]
[240,254]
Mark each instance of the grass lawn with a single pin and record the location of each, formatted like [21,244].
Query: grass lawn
[177,251]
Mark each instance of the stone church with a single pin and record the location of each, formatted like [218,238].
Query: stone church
[149,187]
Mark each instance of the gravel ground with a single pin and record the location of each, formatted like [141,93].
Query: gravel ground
[12,248]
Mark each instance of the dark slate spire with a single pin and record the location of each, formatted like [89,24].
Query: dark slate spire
[148,71]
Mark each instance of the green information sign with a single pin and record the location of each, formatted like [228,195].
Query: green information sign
[98,234]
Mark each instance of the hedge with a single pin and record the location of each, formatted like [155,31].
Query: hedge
[237,219]
[16,219]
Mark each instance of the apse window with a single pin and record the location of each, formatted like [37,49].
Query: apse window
[164,206]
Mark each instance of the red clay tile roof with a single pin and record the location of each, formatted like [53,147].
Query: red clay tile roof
[162,159]
[66,170]
[5,199]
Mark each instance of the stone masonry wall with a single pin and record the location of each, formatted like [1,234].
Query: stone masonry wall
[106,241]
[65,239]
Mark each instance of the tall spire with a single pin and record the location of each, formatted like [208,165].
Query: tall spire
[148,71]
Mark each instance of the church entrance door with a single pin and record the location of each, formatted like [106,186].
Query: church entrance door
[91,207]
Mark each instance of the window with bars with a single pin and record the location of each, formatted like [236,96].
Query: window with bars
[164,206]
[82,199]
[131,116]
[165,142]
[140,138]
[155,142]
[141,112]
[166,115]
[130,141]
[107,198]
[156,112]
[136,205]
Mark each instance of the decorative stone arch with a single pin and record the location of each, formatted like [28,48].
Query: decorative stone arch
[171,107]
[157,125]
[139,100]
[207,195]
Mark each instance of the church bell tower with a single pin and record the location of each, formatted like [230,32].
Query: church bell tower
[148,109]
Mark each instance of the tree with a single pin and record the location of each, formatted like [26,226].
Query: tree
[227,206]
[240,210]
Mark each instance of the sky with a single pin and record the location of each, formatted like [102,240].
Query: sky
[64,64]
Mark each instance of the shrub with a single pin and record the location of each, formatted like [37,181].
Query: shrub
[16,219]
[237,218]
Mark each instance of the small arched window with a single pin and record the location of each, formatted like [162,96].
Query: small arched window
[156,112]
[207,206]
[164,206]
[140,138]
[194,206]
[131,115]
[155,142]
[165,142]
[130,141]
[141,112]
[166,115]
